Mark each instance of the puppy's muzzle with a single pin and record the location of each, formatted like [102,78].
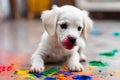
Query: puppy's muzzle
[72,40]
[69,42]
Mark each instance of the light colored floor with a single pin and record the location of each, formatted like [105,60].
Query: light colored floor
[21,37]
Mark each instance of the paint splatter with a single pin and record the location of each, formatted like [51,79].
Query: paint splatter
[97,63]
[109,54]
[116,34]
[95,32]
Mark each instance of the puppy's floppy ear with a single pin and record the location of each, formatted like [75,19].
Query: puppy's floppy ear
[49,19]
[87,24]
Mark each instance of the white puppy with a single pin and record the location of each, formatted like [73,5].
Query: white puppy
[66,28]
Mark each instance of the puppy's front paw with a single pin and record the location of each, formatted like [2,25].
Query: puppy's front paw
[75,66]
[37,68]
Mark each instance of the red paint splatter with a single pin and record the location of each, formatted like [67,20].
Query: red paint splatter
[6,68]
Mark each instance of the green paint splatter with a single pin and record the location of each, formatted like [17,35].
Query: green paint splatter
[115,50]
[109,54]
[32,75]
[97,63]
[116,34]
[50,71]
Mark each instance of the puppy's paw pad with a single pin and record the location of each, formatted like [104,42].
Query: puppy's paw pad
[37,68]
[83,58]
[75,67]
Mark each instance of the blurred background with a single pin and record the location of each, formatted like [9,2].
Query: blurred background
[31,9]
[21,27]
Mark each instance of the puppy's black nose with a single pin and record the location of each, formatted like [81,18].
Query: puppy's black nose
[72,39]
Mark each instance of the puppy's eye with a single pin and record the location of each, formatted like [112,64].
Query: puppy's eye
[63,26]
[79,28]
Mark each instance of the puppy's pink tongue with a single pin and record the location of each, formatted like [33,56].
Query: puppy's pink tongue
[66,44]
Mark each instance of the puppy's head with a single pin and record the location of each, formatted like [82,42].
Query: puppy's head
[68,23]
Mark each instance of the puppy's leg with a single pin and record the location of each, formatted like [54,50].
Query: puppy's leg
[37,62]
[73,62]
[82,57]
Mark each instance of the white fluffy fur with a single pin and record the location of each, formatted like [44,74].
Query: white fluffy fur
[50,44]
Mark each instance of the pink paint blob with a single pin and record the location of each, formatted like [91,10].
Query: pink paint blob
[66,44]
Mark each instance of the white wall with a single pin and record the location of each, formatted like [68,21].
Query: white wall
[4,8]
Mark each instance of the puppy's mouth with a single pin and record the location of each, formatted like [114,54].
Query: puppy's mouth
[67,44]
